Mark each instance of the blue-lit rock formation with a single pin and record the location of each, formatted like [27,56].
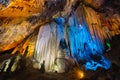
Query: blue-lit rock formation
[59,41]
[83,47]
[60,44]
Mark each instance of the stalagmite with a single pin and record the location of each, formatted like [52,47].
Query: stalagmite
[56,34]
[49,50]
[83,47]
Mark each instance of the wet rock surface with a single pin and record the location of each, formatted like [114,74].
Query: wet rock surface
[28,73]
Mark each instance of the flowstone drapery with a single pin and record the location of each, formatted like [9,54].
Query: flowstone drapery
[55,34]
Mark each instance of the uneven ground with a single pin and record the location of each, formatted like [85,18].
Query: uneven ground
[112,74]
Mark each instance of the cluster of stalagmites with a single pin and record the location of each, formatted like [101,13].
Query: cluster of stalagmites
[56,34]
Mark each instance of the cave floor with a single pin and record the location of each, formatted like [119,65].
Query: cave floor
[100,74]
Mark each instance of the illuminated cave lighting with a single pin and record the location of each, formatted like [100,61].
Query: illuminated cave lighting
[52,48]
[83,47]
[80,74]
[108,44]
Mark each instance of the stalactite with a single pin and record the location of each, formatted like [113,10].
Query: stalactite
[51,48]
[56,34]
[83,47]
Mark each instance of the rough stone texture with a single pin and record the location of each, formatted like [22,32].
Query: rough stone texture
[33,74]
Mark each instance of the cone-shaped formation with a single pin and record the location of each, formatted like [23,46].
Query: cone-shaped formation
[68,36]
[51,46]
